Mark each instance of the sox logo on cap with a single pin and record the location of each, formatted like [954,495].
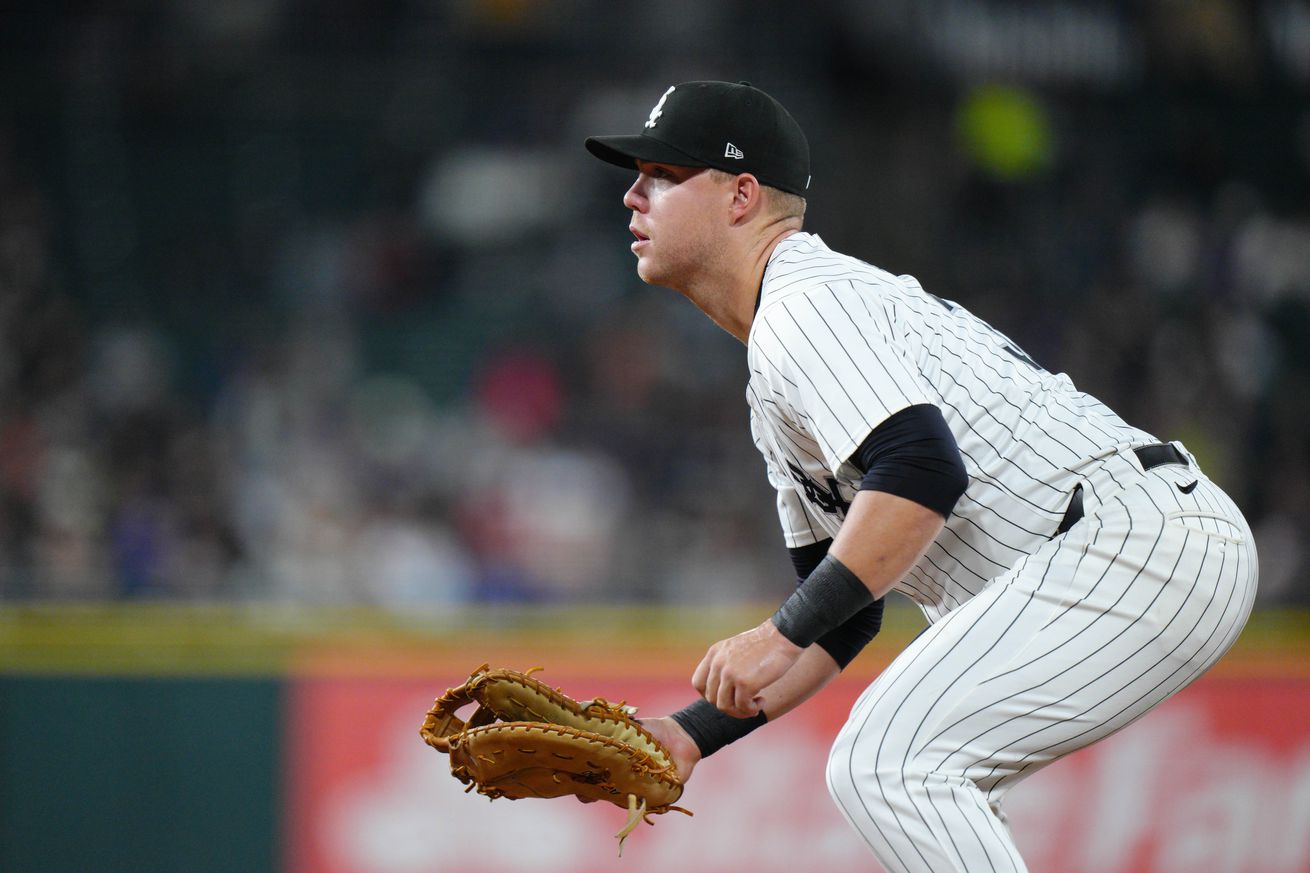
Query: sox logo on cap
[659,107]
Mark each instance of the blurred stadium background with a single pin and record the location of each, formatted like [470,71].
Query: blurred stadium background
[325,376]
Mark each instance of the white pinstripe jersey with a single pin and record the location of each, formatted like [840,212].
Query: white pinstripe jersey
[839,345]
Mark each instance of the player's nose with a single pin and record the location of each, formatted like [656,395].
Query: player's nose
[635,198]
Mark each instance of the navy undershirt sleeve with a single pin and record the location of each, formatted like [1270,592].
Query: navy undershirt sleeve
[806,558]
[913,455]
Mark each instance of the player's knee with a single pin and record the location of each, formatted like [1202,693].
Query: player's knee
[849,774]
[838,774]
[863,767]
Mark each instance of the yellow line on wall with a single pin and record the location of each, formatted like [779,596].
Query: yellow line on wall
[264,639]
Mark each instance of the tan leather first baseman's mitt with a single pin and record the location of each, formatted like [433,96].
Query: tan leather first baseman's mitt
[526,739]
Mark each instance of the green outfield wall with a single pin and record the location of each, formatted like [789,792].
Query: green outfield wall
[124,774]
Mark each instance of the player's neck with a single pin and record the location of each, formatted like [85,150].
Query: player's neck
[719,299]
[740,290]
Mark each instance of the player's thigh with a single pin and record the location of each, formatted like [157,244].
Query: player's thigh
[901,710]
[1069,646]
[1157,598]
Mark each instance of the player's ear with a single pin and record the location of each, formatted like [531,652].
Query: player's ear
[747,197]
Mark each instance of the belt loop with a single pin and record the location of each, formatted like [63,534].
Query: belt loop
[1073,514]
[1182,449]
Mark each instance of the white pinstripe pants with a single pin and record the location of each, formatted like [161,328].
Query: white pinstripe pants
[1075,642]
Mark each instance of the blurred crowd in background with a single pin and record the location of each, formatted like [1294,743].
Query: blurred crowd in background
[326,303]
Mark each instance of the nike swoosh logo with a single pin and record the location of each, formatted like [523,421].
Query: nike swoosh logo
[1188,488]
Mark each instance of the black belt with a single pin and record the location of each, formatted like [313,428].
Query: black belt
[1158,455]
[1150,457]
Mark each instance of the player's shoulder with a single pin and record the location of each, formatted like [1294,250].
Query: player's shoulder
[804,275]
[802,264]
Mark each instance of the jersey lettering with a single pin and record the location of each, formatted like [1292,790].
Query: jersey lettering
[1010,346]
[1023,356]
[829,501]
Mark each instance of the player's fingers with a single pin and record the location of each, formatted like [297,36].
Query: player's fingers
[723,693]
[729,693]
[713,679]
[700,676]
[726,696]
[743,701]
[739,699]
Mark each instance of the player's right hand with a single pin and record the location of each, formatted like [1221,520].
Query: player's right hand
[734,671]
[681,747]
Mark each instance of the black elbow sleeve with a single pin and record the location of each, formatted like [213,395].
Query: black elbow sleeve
[913,454]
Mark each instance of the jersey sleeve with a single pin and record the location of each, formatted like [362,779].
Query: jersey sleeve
[799,526]
[837,352]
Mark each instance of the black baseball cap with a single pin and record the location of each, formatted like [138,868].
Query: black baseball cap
[734,127]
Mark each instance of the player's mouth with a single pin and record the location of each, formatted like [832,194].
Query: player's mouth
[641,240]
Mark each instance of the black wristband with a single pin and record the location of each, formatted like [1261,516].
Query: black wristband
[825,600]
[711,728]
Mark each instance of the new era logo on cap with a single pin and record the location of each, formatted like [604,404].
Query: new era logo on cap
[730,126]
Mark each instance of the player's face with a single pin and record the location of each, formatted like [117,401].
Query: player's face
[675,219]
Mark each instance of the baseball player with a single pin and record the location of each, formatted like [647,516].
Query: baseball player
[1075,571]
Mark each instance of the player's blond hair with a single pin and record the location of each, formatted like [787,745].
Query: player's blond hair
[781,205]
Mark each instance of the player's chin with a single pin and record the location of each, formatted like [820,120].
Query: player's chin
[648,271]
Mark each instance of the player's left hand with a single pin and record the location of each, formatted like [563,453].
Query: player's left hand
[734,671]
